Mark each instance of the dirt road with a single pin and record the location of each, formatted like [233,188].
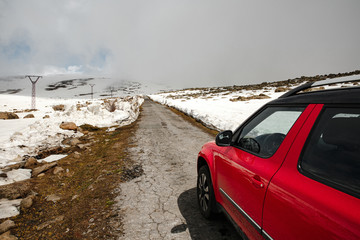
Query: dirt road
[161,204]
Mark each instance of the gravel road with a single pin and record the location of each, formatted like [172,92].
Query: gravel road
[161,204]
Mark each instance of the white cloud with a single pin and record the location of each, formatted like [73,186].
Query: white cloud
[195,42]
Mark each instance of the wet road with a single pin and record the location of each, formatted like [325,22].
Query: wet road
[161,204]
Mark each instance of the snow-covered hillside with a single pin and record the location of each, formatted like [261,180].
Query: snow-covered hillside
[76,86]
[227,107]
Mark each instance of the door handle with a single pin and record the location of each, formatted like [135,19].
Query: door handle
[256,181]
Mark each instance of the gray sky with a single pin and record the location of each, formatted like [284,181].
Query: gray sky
[196,42]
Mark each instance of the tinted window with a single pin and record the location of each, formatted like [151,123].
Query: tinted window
[332,153]
[264,134]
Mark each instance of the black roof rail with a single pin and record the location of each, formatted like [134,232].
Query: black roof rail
[315,84]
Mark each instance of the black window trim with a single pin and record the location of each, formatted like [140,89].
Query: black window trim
[238,130]
[314,177]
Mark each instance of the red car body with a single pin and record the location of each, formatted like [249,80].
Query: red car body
[271,198]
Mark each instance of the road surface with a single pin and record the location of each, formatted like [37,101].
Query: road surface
[161,204]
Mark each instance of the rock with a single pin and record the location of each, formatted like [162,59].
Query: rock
[71,141]
[46,116]
[27,202]
[84,146]
[41,175]
[88,128]
[48,223]
[53,197]
[6,226]
[74,197]
[43,168]
[49,151]
[91,187]
[17,159]
[15,190]
[76,155]
[68,126]
[7,236]
[3,175]
[59,218]
[42,226]
[15,166]
[60,107]
[30,116]
[30,162]
[58,170]
[282,89]
[8,115]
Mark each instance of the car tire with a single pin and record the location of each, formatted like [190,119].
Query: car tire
[205,193]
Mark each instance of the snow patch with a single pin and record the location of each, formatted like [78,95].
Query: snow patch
[9,208]
[15,176]
[53,158]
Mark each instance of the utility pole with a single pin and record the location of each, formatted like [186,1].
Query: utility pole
[111,91]
[33,93]
[92,93]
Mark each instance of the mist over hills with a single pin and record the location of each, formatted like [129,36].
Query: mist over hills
[79,85]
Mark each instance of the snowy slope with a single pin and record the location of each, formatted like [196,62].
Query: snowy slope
[217,111]
[217,108]
[26,136]
[77,86]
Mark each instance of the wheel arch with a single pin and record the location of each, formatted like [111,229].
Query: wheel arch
[204,160]
[201,162]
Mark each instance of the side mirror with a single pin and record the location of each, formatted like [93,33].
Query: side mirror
[223,139]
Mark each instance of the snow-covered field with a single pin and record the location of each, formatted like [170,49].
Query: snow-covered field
[28,136]
[226,108]
[24,136]
[218,111]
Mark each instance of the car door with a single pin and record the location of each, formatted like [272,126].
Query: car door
[315,194]
[245,168]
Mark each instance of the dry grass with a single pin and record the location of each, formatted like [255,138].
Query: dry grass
[87,191]
[280,86]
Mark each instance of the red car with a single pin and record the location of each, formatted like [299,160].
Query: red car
[291,171]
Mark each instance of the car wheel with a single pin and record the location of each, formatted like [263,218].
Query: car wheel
[205,193]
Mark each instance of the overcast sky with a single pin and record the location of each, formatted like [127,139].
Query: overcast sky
[196,42]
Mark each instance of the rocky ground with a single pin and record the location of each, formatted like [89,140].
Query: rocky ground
[73,197]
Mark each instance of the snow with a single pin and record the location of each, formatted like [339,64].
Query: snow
[15,176]
[217,112]
[9,208]
[53,158]
[26,136]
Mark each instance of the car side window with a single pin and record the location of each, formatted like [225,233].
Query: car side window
[264,134]
[332,152]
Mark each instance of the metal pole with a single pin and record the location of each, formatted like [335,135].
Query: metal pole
[92,93]
[111,91]
[33,92]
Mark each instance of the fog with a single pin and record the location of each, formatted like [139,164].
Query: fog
[180,42]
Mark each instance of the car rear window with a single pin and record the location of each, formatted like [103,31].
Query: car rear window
[332,152]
